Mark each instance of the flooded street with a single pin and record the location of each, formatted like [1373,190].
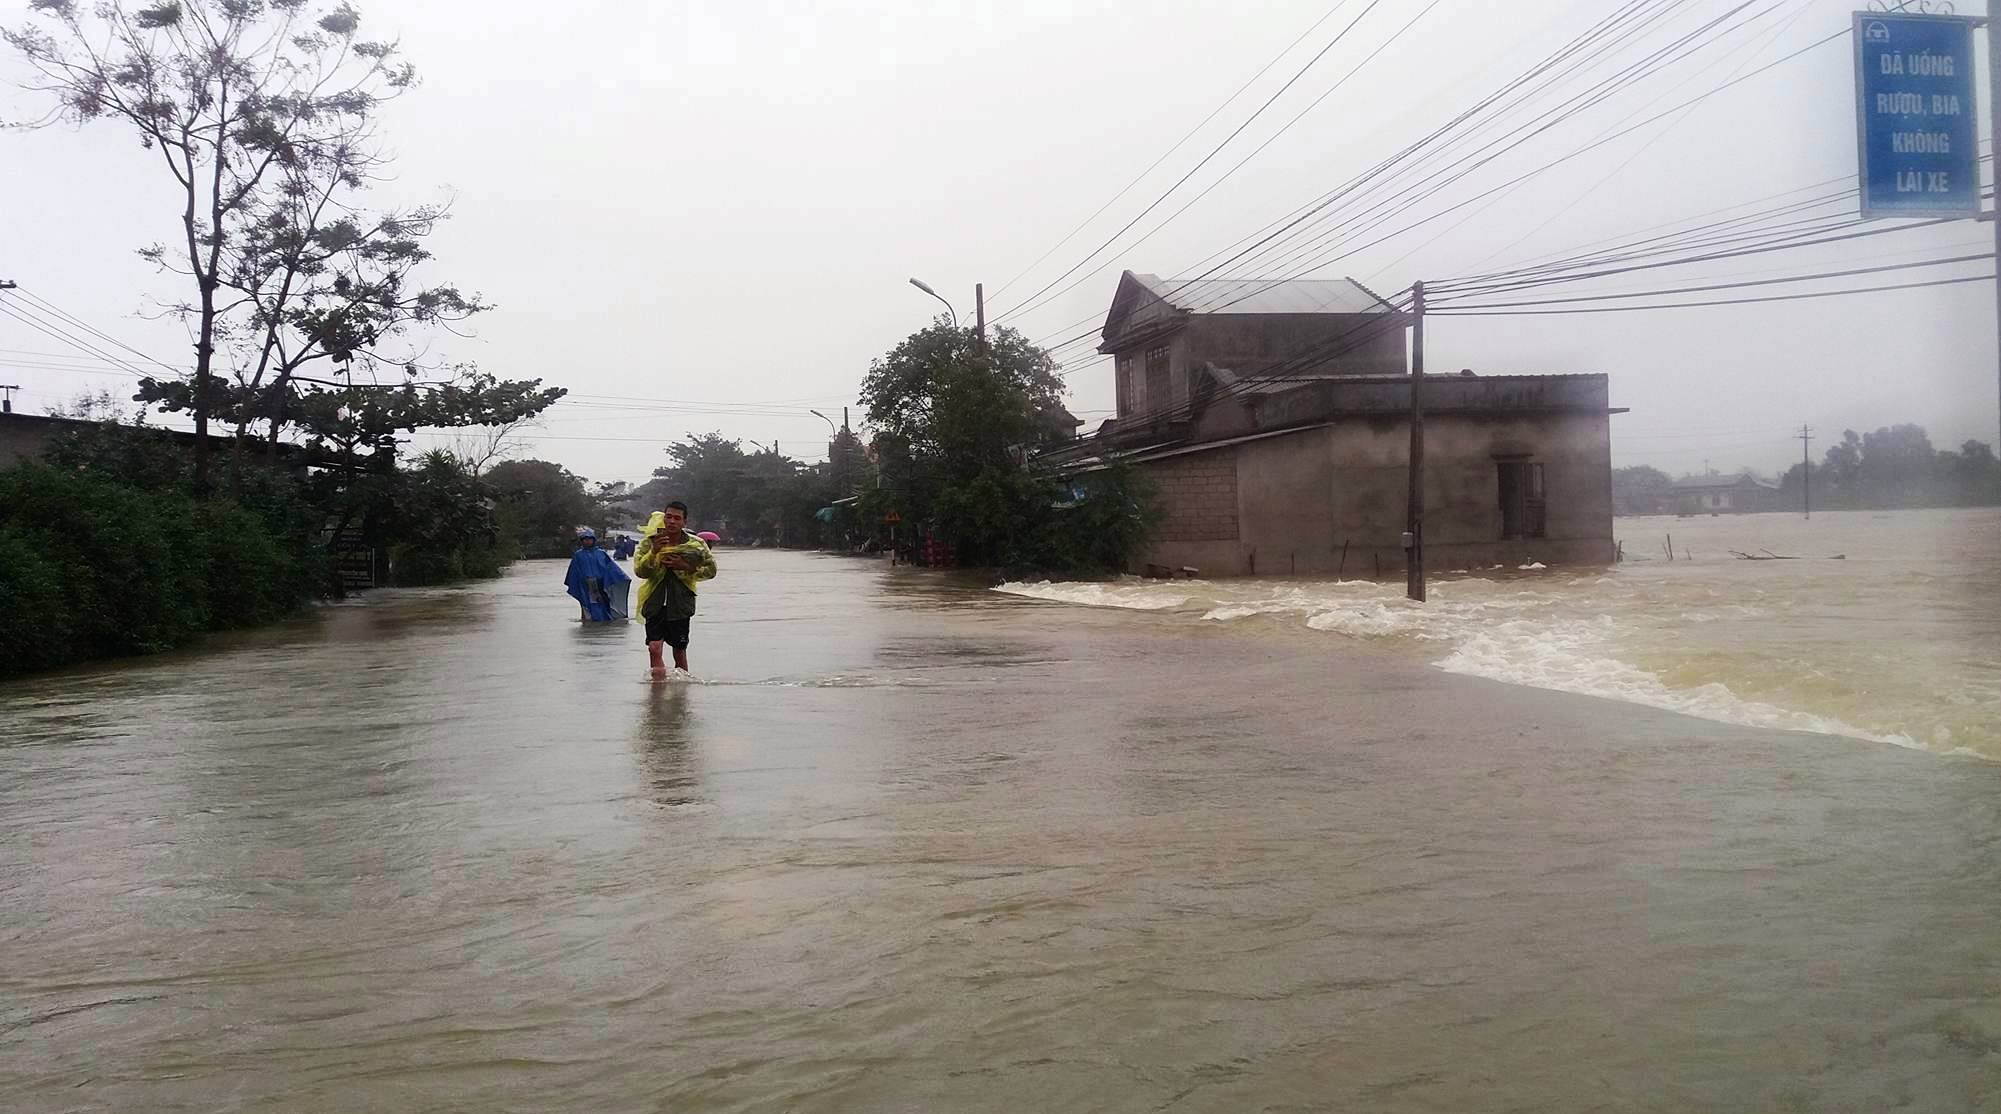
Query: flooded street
[1883,626]
[918,846]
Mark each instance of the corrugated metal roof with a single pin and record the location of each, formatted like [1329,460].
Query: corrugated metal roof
[1263,295]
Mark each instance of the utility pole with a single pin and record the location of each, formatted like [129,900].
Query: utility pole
[1413,538]
[980,314]
[1806,470]
[7,404]
[1994,136]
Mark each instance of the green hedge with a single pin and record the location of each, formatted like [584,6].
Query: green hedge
[94,568]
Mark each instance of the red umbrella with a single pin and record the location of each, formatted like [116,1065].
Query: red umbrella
[710,536]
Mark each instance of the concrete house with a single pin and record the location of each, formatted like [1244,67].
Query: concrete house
[1163,332]
[1741,494]
[1273,416]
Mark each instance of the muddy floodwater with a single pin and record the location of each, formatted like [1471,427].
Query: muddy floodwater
[916,845]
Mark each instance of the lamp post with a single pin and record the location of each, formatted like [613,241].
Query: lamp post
[832,429]
[920,284]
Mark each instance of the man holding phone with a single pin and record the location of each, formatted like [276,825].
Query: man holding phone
[671,561]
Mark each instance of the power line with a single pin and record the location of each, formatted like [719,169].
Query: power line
[1279,244]
[1309,265]
[1489,312]
[1204,161]
[1781,244]
[1631,73]
[59,312]
[1778,32]
[24,314]
[1818,276]
[1213,113]
[1278,230]
[1269,140]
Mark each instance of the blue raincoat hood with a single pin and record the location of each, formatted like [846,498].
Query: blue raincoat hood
[597,583]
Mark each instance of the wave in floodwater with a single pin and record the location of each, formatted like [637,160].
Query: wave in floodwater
[1897,642]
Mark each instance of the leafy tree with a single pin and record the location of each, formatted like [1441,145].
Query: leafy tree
[1898,468]
[1971,476]
[541,504]
[953,425]
[956,426]
[1844,465]
[1640,489]
[441,518]
[1792,493]
[761,496]
[236,97]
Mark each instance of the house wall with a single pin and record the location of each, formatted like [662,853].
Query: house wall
[1301,497]
[1367,344]
[1744,498]
[25,437]
[1131,384]
[1252,344]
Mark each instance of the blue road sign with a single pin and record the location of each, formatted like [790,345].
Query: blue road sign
[1916,115]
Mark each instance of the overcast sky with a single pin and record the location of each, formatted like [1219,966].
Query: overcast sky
[702,216]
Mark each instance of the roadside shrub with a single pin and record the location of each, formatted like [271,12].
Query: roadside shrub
[91,568]
[1095,525]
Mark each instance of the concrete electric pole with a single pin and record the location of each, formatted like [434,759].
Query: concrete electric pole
[1414,512]
[1806,470]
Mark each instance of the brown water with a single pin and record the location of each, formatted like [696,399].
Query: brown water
[1897,641]
[922,847]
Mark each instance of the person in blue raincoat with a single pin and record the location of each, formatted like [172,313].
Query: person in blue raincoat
[596,582]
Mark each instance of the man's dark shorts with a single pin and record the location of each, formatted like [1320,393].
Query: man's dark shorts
[674,632]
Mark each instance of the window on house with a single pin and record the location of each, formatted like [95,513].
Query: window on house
[1128,389]
[1523,506]
[1157,383]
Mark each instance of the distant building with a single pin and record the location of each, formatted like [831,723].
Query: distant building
[1273,416]
[1740,494]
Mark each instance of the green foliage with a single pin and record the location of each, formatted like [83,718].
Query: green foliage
[362,418]
[442,519]
[99,568]
[1641,490]
[955,427]
[760,496]
[1113,518]
[266,128]
[540,507]
[1896,466]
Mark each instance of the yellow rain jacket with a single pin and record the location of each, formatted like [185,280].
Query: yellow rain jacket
[662,589]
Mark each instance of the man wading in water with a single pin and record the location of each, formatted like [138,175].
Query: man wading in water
[671,561]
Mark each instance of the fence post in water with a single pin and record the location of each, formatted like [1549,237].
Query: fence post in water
[1343,566]
[1670,547]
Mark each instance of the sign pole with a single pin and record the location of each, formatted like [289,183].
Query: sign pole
[1918,118]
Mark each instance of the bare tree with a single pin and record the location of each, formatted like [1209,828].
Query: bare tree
[481,448]
[232,94]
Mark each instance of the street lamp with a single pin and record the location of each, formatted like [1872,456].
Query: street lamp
[919,284]
[832,429]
